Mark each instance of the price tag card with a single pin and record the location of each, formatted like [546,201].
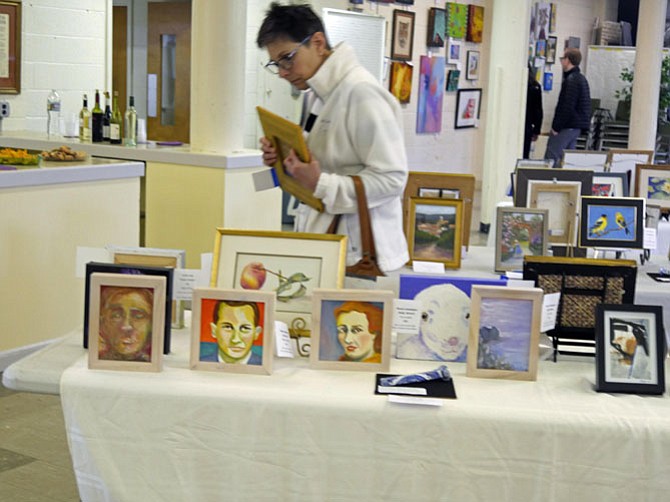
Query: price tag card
[428,267]
[283,345]
[649,240]
[549,311]
[406,316]
[184,281]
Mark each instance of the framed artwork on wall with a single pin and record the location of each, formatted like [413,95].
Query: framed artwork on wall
[454,51]
[431,95]
[436,27]
[551,50]
[547,81]
[468,102]
[452,80]
[475,24]
[457,20]
[10,56]
[402,35]
[472,68]
[400,82]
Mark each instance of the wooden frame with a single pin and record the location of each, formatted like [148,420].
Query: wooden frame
[536,163]
[112,268]
[154,257]
[473,64]
[610,185]
[10,68]
[624,161]
[297,263]
[247,318]
[435,230]
[653,182]
[402,43]
[591,160]
[337,348]
[630,349]
[444,183]
[526,174]
[400,83]
[111,346]
[516,229]
[612,222]
[504,332]
[560,199]
[583,284]
[468,104]
[286,135]
[437,27]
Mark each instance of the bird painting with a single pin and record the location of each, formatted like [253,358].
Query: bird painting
[621,222]
[599,226]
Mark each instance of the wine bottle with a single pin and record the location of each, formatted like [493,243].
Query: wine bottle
[130,124]
[97,119]
[106,118]
[85,122]
[116,122]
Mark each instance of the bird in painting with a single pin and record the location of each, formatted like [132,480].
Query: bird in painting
[621,222]
[599,226]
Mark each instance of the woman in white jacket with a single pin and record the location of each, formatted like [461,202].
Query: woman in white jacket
[356,128]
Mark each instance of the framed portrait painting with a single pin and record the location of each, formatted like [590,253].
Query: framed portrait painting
[400,83]
[472,66]
[435,230]
[653,183]
[504,332]
[10,56]
[520,232]
[436,27]
[468,103]
[630,349]
[126,322]
[290,264]
[232,330]
[612,222]
[403,35]
[352,329]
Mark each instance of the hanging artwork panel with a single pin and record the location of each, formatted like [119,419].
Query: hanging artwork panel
[431,94]
[475,24]
[457,20]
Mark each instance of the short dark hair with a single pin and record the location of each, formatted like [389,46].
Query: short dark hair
[295,22]
[574,55]
[236,304]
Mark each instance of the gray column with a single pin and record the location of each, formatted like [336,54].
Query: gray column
[648,60]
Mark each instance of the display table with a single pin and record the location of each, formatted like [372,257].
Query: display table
[303,434]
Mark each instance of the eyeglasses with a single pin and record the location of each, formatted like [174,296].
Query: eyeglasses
[285,62]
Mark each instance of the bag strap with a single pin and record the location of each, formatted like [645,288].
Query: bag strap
[367,239]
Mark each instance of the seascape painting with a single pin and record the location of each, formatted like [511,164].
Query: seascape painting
[504,334]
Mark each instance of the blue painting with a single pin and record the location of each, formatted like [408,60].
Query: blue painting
[658,188]
[431,94]
[614,223]
[504,334]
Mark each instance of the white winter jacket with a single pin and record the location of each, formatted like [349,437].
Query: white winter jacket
[358,131]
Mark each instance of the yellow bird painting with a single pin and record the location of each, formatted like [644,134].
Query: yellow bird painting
[599,226]
[621,222]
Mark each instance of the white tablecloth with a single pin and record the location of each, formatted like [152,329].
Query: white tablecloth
[303,434]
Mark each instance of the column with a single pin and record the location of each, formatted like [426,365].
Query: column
[648,60]
[218,45]
[506,100]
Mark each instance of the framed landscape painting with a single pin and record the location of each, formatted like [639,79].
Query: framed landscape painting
[435,230]
[653,183]
[520,232]
[612,222]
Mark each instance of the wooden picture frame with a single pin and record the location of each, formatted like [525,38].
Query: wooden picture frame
[612,222]
[437,27]
[590,160]
[526,174]
[286,135]
[561,199]
[10,62]
[463,184]
[297,263]
[472,66]
[335,346]
[232,330]
[623,160]
[400,83]
[468,104]
[520,232]
[116,300]
[652,183]
[583,283]
[113,268]
[610,185]
[435,230]
[402,36]
[504,332]
[154,257]
[630,349]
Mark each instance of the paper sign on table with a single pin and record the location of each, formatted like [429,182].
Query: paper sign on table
[549,311]
[283,345]
[406,316]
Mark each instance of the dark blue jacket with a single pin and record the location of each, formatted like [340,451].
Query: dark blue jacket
[573,110]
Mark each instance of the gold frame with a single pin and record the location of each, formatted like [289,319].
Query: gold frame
[285,135]
[157,326]
[455,262]
[12,84]
[365,296]
[268,299]
[497,292]
[572,189]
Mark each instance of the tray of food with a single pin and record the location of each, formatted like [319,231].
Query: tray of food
[19,157]
[63,154]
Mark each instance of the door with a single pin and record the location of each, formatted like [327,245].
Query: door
[120,53]
[169,71]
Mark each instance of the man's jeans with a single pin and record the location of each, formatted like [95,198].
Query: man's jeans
[566,139]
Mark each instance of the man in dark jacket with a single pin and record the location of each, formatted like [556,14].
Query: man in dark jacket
[573,110]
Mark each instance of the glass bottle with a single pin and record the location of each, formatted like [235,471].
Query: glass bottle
[53,114]
[106,117]
[85,122]
[116,122]
[130,124]
[97,119]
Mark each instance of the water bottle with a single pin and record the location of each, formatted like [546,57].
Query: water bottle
[53,113]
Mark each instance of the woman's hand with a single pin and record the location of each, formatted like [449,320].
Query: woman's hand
[269,152]
[307,174]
